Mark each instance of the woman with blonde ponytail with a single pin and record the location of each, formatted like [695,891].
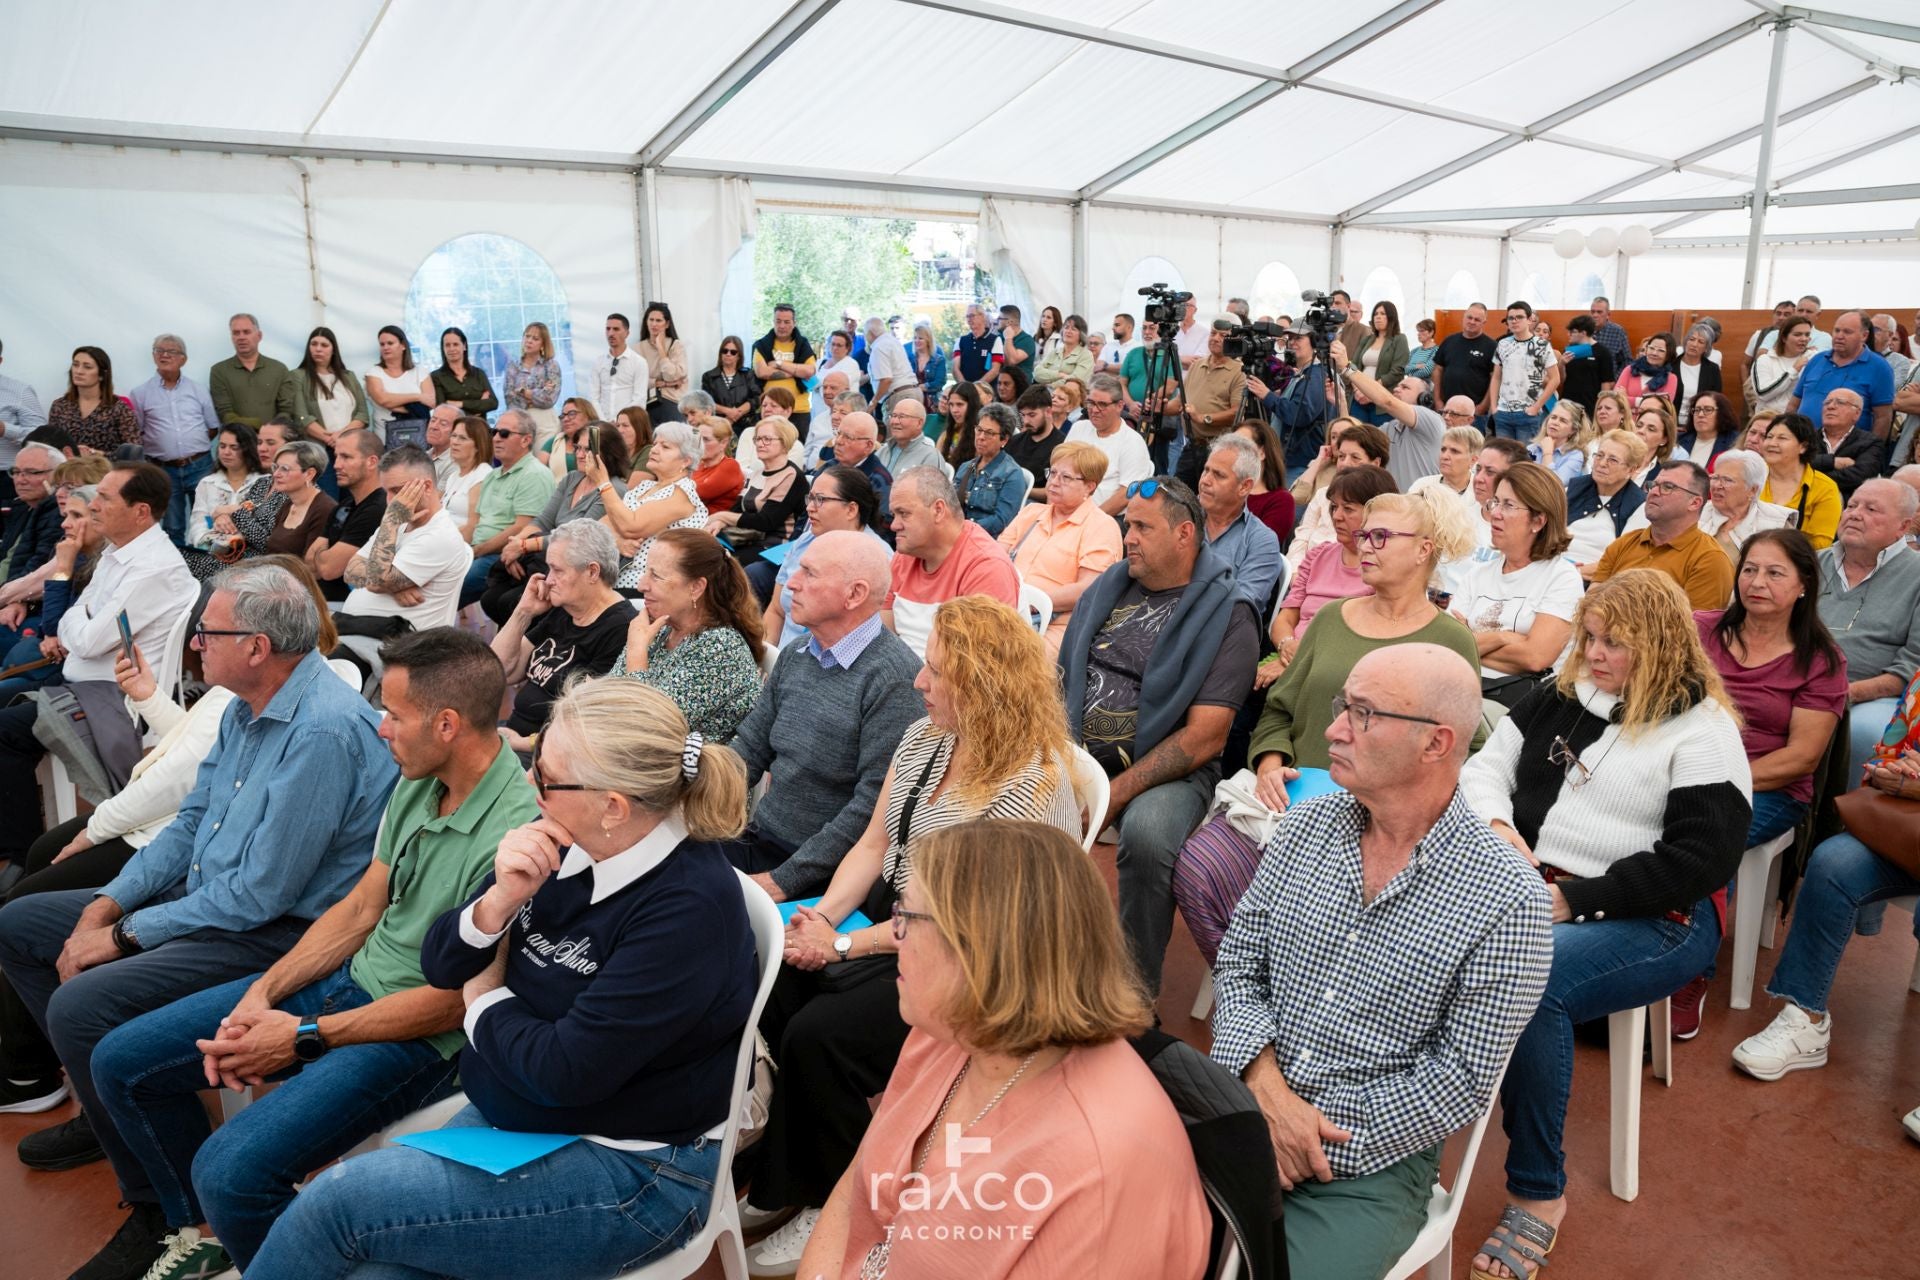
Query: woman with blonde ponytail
[607,969]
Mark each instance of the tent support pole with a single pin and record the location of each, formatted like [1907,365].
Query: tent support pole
[1500,277]
[1763,170]
[313,242]
[1336,250]
[1622,268]
[647,233]
[1081,249]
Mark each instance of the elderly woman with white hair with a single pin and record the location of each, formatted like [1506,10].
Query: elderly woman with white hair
[668,501]
[571,617]
[1734,511]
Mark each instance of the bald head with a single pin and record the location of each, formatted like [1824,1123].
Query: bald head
[1458,405]
[1411,713]
[834,384]
[842,580]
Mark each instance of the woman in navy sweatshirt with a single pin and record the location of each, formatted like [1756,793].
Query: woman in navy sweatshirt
[608,968]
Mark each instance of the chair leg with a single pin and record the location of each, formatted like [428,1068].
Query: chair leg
[1913,983]
[1661,1023]
[1625,1031]
[1749,904]
[1441,1268]
[1203,999]
[1770,917]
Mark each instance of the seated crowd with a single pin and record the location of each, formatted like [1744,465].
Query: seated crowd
[430,736]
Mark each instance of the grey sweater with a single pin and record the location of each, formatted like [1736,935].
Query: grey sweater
[1877,623]
[827,737]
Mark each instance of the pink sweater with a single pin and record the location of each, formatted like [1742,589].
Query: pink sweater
[1087,1163]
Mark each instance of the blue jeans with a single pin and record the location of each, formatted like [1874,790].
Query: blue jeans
[1512,424]
[24,649]
[1599,968]
[584,1211]
[240,1179]
[1842,876]
[185,479]
[1152,829]
[476,583]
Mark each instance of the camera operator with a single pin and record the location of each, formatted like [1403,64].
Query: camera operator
[1298,413]
[1414,431]
[1214,385]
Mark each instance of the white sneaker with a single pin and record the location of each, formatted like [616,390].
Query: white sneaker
[779,1254]
[1791,1042]
[1912,1124]
[753,1218]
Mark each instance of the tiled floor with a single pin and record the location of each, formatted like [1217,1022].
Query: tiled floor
[1739,1180]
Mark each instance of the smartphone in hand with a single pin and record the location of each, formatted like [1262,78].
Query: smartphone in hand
[126,637]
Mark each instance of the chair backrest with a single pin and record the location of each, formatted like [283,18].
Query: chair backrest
[1034,601]
[171,671]
[346,671]
[1093,790]
[769,942]
[1443,1206]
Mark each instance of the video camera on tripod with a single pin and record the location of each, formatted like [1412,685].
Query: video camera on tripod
[1253,344]
[1320,322]
[1165,307]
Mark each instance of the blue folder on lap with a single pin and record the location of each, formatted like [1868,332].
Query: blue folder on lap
[494,1150]
[1311,783]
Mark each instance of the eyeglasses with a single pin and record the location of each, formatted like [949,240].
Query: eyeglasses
[1464,414]
[902,918]
[1563,754]
[1145,488]
[1102,403]
[33,471]
[571,413]
[1378,538]
[615,367]
[1062,473]
[817,499]
[201,632]
[1668,486]
[1363,717]
[1502,506]
[501,433]
[542,786]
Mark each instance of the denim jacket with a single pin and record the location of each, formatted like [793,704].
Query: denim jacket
[991,496]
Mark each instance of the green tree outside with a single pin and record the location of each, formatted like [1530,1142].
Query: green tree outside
[823,264]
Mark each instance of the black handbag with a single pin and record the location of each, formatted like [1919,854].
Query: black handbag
[1509,691]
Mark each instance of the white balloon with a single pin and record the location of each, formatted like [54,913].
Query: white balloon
[1569,243]
[1603,242]
[1635,240]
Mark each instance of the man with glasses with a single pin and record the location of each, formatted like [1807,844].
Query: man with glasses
[907,445]
[973,357]
[139,573]
[825,725]
[836,394]
[1156,660]
[1365,1052]
[21,413]
[177,425]
[246,387]
[347,1010]
[856,444]
[30,532]
[1673,541]
[619,378]
[1846,452]
[509,499]
[275,831]
[440,443]
[1128,461]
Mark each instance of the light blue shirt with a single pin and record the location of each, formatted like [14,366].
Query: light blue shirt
[20,416]
[1254,552]
[281,820]
[789,629]
[176,421]
[851,646]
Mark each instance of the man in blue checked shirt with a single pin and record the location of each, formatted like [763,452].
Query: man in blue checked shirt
[1381,967]
[279,825]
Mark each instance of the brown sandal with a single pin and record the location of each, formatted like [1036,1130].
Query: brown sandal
[1519,1230]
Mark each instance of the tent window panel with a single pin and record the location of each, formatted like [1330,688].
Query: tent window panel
[491,287]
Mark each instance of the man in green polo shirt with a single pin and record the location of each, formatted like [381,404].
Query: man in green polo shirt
[509,498]
[246,388]
[346,1018]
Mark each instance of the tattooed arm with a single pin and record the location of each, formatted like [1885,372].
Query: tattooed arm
[373,567]
[1193,744]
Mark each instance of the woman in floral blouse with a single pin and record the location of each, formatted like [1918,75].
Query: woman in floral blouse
[97,419]
[698,640]
[533,384]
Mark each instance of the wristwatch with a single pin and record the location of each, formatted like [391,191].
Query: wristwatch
[308,1043]
[842,945]
[125,938]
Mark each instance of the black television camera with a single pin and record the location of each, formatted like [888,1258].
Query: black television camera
[1252,344]
[1320,322]
[1165,307]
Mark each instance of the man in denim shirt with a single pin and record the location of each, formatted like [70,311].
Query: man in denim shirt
[279,825]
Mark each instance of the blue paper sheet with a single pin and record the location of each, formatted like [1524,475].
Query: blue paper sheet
[855,921]
[1311,783]
[495,1150]
[777,553]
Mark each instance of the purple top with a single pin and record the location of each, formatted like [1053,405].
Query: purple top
[1321,580]
[1769,694]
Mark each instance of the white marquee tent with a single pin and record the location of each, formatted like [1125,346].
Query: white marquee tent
[163,165]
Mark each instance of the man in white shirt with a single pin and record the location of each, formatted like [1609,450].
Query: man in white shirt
[177,426]
[1127,458]
[840,360]
[889,372]
[1114,354]
[833,385]
[439,444]
[617,379]
[1190,340]
[1525,377]
[139,572]
[414,563]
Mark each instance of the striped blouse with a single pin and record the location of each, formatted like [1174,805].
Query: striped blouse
[1027,796]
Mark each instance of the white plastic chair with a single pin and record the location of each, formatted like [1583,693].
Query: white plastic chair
[60,799]
[1203,998]
[1432,1250]
[1626,1031]
[170,672]
[1755,912]
[1034,601]
[722,1227]
[1092,790]
[1911,904]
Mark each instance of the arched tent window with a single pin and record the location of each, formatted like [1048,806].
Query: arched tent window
[1383,285]
[1539,291]
[1462,291]
[736,299]
[1149,270]
[1591,287]
[490,287]
[1276,291]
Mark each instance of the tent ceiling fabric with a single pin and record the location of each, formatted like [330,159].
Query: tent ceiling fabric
[1429,86]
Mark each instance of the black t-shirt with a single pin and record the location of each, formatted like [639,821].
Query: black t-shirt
[1036,454]
[1581,380]
[1117,660]
[561,648]
[1469,366]
[351,524]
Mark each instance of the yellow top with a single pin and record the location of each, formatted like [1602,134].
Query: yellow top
[1815,501]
